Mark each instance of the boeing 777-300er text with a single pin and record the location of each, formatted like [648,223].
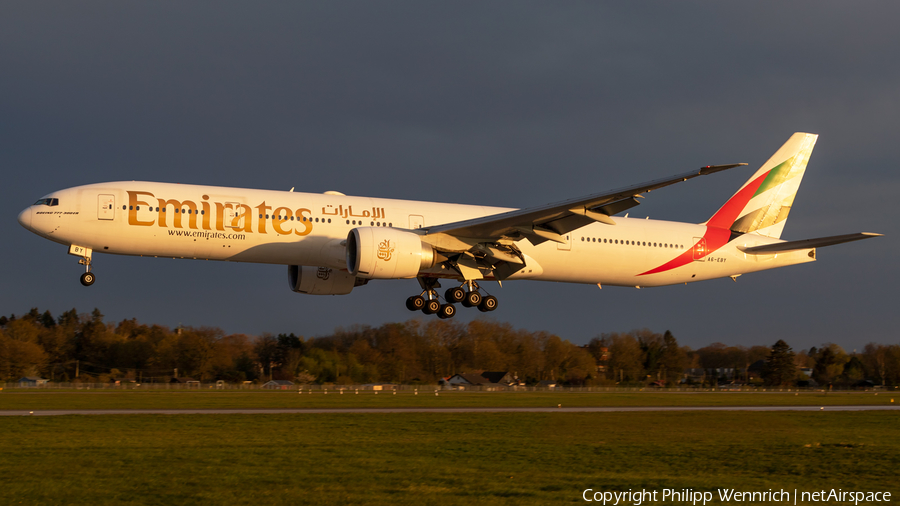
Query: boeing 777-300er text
[333,243]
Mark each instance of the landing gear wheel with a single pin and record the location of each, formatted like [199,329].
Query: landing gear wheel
[472,299]
[87,279]
[431,306]
[446,311]
[488,303]
[455,294]
[415,303]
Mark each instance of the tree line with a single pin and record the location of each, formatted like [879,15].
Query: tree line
[83,347]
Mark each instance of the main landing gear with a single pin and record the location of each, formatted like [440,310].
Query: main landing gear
[428,303]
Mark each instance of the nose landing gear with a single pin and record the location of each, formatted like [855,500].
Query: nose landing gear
[87,279]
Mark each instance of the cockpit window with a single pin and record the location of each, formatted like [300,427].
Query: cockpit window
[47,202]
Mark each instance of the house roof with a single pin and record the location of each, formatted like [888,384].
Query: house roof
[184,379]
[485,378]
[32,378]
[280,382]
[472,379]
[495,376]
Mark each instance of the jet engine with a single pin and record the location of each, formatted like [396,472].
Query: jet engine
[387,253]
[320,280]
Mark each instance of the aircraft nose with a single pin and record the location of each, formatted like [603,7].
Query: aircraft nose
[25,218]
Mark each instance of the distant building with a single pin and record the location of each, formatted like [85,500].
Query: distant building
[278,385]
[602,360]
[548,384]
[186,381]
[32,381]
[487,380]
[699,374]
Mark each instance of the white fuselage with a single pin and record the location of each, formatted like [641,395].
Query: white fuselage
[278,227]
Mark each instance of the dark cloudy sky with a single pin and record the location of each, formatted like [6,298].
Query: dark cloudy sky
[501,103]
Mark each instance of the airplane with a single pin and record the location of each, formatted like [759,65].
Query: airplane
[332,243]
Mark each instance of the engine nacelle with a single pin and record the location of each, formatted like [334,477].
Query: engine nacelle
[386,253]
[320,280]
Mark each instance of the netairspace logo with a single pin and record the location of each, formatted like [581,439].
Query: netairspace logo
[729,495]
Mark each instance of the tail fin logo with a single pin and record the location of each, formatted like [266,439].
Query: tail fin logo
[762,205]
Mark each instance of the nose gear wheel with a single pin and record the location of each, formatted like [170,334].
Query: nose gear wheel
[88,278]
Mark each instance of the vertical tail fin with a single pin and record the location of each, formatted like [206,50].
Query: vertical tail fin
[763,203]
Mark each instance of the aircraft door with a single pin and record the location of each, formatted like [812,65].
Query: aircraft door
[233,217]
[416,221]
[106,207]
[699,248]
[566,246]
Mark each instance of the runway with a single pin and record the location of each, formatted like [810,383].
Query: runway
[319,411]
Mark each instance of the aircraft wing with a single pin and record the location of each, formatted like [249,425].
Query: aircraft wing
[552,221]
[780,247]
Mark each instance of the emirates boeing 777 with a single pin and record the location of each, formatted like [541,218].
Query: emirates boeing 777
[333,243]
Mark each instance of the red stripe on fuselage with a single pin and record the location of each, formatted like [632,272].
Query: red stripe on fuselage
[715,238]
[717,228]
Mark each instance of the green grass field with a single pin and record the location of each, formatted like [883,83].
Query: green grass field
[410,458]
[416,458]
[16,399]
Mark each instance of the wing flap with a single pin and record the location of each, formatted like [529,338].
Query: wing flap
[819,242]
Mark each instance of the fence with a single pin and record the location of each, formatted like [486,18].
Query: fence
[198,386]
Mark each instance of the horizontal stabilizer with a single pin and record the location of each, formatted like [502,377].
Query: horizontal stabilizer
[807,243]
